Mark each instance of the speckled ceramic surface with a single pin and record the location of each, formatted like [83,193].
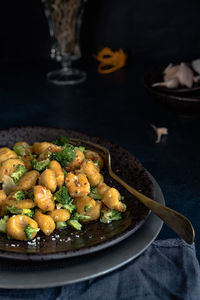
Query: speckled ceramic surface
[95,235]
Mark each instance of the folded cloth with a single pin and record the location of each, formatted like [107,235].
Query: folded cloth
[168,269]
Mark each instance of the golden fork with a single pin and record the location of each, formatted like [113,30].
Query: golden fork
[176,221]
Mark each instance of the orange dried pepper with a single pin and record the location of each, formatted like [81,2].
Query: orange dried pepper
[110,61]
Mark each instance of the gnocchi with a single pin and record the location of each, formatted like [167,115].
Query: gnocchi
[53,185]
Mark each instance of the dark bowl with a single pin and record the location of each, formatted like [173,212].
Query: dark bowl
[156,75]
[95,235]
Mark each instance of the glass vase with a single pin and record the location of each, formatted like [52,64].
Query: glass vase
[64,20]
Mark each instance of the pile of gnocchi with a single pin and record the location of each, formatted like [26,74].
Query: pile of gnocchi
[48,186]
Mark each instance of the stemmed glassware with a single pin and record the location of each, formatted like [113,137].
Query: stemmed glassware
[64,20]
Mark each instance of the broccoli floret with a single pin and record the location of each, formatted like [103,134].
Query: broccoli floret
[24,211]
[19,195]
[70,207]
[80,148]
[96,163]
[30,194]
[19,150]
[75,224]
[3,222]
[62,195]
[87,207]
[61,140]
[65,156]
[80,217]
[13,210]
[60,225]
[109,215]
[18,173]
[65,172]
[28,212]
[40,165]
[94,194]
[29,231]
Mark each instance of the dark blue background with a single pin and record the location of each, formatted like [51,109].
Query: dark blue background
[114,106]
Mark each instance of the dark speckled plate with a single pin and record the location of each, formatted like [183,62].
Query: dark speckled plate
[95,235]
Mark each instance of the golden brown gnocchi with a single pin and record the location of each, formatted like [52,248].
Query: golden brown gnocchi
[89,207]
[48,179]
[56,167]
[43,198]
[8,166]
[28,180]
[77,185]
[16,226]
[45,222]
[6,153]
[76,163]
[92,172]
[60,215]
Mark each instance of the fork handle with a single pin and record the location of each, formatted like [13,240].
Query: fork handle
[176,221]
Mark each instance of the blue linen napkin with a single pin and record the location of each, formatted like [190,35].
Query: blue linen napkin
[168,269]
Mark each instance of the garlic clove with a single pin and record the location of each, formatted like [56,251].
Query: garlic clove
[170,84]
[167,68]
[185,75]
[196,65]
[171,73]
[160,131]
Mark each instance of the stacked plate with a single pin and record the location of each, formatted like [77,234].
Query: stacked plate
[182,98]
[69,256]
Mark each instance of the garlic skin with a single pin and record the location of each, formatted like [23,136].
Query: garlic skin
[160,131]
[185,75]
[8,185]
[196,65]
